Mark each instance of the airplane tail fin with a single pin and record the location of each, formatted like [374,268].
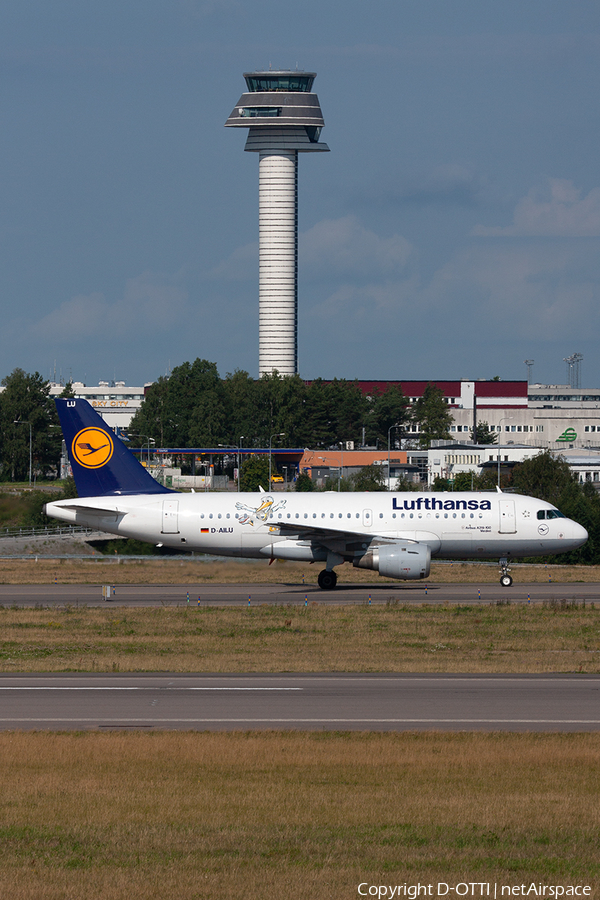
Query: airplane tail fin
[100,461]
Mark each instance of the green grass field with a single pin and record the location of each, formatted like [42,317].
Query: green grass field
[307,816]
[556,637]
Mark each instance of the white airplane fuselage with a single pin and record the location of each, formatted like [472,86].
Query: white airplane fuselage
[332,527]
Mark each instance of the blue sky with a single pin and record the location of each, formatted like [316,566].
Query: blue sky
[452,231]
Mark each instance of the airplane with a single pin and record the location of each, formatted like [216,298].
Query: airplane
[395,534]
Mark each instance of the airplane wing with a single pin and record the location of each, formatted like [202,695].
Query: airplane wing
[327,536]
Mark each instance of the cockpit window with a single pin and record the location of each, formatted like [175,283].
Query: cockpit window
[550,514]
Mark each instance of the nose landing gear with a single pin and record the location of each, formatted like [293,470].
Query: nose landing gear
[505,579]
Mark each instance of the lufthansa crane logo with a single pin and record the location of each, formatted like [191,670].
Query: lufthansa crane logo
[92,448]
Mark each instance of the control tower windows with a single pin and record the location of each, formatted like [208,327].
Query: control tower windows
[255,112]
[279,81]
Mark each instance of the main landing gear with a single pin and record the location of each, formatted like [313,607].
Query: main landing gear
[327,579]
[505,579]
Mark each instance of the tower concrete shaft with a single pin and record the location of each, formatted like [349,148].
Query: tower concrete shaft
[278,261]
[283,119]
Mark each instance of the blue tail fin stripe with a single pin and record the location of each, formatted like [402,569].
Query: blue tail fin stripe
[101,463]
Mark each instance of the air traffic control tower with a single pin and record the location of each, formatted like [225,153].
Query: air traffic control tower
[284,118]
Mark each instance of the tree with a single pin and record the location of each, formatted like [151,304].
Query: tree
[304,482]
[26,408]
[240,402]
[255,473]
[483,434]
[150,421]
[545,476]
[316,429]
[432,415]
[279,407]
[390,408]
[188,409]
[369,478]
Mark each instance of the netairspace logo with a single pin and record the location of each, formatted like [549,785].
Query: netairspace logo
[471,889]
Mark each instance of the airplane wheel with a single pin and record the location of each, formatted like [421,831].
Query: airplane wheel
[506,581]
[327,580]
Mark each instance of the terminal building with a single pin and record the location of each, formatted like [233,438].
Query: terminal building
[545,416]
[115,401]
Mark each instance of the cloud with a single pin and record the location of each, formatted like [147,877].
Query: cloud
[148,304]
[483,294]
[532,291]
[555,210]
[344,247]
[241,265]
[450,184]
[333,247]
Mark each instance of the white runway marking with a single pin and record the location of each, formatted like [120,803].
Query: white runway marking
[156,688]
[291,721]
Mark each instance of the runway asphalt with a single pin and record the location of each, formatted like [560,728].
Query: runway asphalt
[23,595]
[338,702]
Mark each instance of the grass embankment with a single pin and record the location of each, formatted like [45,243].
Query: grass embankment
[194,570]
[554,637]
[304,816]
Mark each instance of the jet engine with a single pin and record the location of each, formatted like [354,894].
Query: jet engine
[405,560]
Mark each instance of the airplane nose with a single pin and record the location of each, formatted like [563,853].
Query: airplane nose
[579,534]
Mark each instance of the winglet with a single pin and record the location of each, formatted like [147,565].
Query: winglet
[101,463]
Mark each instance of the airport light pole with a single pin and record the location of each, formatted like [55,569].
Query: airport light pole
[503,419]
[148,442]
[397,425]
[240,461]
[280,434]
[19,422]
[341,443]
